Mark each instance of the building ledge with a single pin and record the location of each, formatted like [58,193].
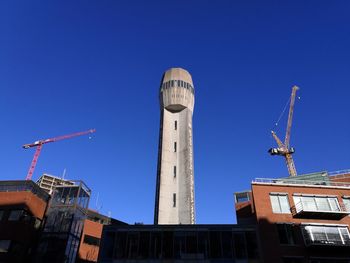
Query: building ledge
[315,243]
[335,215]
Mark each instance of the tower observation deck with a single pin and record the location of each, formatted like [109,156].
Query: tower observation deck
[175,177]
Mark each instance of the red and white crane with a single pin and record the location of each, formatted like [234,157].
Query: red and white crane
[39,145]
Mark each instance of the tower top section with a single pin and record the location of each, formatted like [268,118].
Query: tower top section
[176,90]
[177,74]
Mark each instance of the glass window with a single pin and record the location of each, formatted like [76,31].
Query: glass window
[168,244]
[292,260]
[175,146]
[322,204]
[333,203]
[172,83]
[203,244]
[144,245]
[15,215]
[191,243]
[252,245]
[227,244]
[316,203]
[90,240]
[4,246]
[132,245]
[174,200]
[175,125]
[239,245]
[333,235]
[120,247]
[279,203]
[215,244]
[346,202]
[242,197]
[181,83]
[286,234]
[174,170]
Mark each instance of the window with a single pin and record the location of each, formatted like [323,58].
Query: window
[174,200]
[279,203]
[182,83]
[316,203]
[293,260]
[174,170]
[242,197]
[286,234]
[172,83]
[90,240]
[175,125]
[175,146]
[326,234]
[346,202]
[4,246]
[15,215]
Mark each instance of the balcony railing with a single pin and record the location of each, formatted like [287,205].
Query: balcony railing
[325,242]
[304,210]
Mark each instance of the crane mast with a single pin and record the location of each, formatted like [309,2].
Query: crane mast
[39,144]
[283,148]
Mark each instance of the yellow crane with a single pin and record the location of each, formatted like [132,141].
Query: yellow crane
[283,148]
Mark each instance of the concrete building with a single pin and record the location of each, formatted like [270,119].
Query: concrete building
[175,177]
[302,219]
[49,182]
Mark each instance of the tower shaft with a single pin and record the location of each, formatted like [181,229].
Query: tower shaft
[175,175]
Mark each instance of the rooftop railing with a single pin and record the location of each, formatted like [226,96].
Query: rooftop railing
[300,182]
[340,172]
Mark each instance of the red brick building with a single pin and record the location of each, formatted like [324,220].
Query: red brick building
[91,237]
[299,219]
[22,209]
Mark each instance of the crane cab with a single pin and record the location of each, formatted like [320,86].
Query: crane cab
[281,151]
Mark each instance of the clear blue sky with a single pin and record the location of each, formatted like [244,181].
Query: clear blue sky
[67,66]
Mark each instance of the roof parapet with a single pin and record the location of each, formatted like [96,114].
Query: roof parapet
[284,181]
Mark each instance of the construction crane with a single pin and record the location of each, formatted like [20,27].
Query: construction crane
[283,148]
[39,144]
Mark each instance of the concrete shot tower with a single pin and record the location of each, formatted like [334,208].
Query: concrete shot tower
[175,180]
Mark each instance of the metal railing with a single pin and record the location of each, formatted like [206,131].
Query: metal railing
[340,172]
[300,182]
[302,206]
